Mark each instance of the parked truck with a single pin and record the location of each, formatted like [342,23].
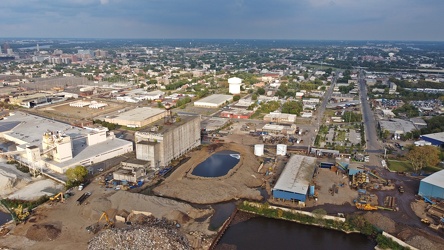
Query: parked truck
[82,198]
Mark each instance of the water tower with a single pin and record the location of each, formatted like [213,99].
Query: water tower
[234,85]
[168,119]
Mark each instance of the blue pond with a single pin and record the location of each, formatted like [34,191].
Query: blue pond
[217,164]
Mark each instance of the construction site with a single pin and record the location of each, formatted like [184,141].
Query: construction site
[173,208]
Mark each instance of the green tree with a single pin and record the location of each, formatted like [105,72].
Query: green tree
[292,107]
[261,91]
[424,156]
[254,97]
[236,98]
[76,174]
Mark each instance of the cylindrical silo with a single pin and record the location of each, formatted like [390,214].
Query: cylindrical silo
[259,149]
[281,149]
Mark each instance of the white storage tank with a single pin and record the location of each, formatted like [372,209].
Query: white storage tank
[234,85]
[281,149]
[259,149]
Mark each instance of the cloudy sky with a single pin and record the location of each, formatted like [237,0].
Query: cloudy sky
[258,19]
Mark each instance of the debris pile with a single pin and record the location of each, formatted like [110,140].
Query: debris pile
[147,233]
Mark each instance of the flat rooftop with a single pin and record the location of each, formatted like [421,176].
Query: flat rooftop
[436,179]
[161,127]
[435,136]
[395,124]
[297,174]
[215,99]
[30,129]
[138,114]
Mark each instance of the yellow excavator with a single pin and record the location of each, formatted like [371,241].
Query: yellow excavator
[57,197]
[20,213]
[366,207]
[96,227]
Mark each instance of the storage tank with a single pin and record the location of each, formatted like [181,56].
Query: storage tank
[259,149]
[312,190]
[281,149]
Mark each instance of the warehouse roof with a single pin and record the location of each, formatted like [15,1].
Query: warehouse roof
[397,125]
[138,114]
[435,136]
[297,174]
[217,99]
[436,179]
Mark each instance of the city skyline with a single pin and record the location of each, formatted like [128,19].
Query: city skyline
[238,19]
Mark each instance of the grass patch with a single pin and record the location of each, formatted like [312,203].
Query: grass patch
[340,135]
[400,166]
[405,166]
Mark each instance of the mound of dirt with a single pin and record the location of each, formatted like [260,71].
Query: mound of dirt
[43,232]
[381,222]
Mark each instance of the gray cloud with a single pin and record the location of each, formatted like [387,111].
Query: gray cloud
[288,19]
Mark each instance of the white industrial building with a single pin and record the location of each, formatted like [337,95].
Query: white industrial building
[138,117]
[234,85]
[278,117]
[47,144]
[164,141]
[213,101]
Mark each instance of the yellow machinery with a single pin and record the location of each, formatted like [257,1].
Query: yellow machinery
[96,227]
[57,197]
[366,207]
[20,213]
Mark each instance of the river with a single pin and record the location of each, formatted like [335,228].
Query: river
[264,233]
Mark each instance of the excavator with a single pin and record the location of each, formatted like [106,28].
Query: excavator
[20,213]
[96,227]
[366,207]
[57,197]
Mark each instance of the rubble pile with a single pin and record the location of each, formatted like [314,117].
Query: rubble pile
[148,233]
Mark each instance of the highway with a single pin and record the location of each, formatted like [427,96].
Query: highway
[373,145]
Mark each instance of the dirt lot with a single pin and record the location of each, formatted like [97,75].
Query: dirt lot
[241,182]
[64,110]
[63,225]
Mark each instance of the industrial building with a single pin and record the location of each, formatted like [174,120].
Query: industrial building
[213,123]
[294,182]
[278,117]
[432,186]
[279,129]
[213,101]
[131,170]
[138,117]
[397,127]
[436,139]
[167,139]
[47,144]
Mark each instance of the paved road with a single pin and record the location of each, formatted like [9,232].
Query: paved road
[321,110]
[373,145]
